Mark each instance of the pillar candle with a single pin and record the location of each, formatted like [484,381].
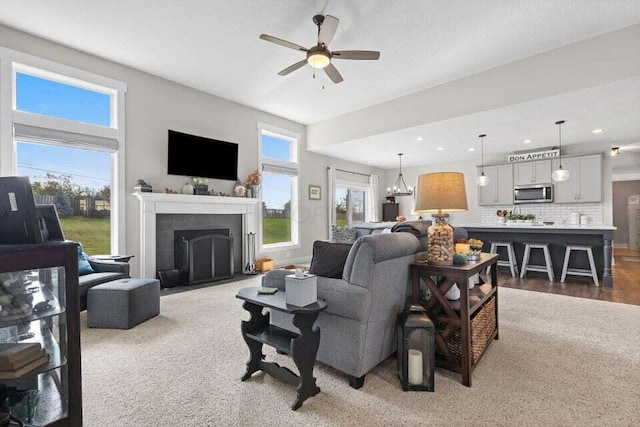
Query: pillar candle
[415,367]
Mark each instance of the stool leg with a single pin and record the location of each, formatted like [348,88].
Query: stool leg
[547,260]
[492,250]
[592,264]
[567,254]
[512,261]
[525,261]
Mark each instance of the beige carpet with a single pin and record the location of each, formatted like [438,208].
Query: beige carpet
[560,361]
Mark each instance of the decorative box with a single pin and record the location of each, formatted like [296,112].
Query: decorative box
[265,264]
[301,291]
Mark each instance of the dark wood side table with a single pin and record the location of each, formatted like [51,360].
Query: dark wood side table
[302,347]
[456,314]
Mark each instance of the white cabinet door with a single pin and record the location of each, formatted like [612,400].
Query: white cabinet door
[541,172]
[523,173]
[488,195]
[566,191]
[504,183]
[589,179]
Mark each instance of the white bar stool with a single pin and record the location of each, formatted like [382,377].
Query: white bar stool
[511,263]
[547,268]
[580,271]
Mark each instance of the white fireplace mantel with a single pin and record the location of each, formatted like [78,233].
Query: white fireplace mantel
[152,204]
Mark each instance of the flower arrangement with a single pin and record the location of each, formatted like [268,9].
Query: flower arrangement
[254,179]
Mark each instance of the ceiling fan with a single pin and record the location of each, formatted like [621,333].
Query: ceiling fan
[319,56]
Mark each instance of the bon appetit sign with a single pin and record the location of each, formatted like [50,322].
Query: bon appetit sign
[538,155]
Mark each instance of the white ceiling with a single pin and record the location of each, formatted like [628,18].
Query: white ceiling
[614,107]
[213,45]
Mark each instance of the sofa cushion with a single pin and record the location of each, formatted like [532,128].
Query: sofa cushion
[90,280]
[329,259]
[83,264]
[344,299]
[342,234]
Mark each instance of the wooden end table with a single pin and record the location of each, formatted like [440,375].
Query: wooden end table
[455,314]
[302,347]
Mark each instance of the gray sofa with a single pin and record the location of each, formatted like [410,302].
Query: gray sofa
[358,328]
[104,271]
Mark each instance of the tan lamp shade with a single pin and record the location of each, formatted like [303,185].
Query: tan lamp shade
[441,192]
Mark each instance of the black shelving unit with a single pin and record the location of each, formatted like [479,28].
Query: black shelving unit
[49,273]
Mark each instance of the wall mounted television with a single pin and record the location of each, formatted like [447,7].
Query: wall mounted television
[191,155]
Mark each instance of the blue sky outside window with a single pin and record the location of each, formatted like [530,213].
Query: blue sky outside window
[45,97]
[276,148]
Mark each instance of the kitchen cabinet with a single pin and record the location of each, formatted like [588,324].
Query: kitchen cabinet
[499,192]
[585,180]
[532,172]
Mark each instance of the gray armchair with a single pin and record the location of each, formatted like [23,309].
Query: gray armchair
[358,328]
[104,271]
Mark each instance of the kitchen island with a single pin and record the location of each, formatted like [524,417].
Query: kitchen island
[598,236]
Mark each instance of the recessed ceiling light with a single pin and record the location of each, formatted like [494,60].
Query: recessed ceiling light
[597,130]
[420,138]
[472,149]
[527,141]
[440,148]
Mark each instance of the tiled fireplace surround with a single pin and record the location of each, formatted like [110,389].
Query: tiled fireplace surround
[161,213]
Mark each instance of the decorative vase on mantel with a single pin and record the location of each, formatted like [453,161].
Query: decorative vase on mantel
[250,192]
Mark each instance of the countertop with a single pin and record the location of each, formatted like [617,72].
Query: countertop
[497,226]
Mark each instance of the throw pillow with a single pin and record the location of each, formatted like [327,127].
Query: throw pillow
[343,235]
[83,264]
[329,259]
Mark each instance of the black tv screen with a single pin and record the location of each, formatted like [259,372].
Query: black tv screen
[191,155]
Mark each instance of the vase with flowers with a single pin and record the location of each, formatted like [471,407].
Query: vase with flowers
[253,183]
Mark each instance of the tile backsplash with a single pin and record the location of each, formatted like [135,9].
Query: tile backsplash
[556,212]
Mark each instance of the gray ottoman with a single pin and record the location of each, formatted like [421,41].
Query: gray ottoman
[123,303]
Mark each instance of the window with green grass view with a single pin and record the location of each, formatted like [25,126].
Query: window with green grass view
[279,188]
[78,183]
[350,206]
[69,170]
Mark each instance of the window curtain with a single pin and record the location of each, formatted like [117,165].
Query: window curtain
[331,197]
[372,212]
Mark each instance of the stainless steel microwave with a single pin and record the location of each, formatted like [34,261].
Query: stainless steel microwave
[534,193]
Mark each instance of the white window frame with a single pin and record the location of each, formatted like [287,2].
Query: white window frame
[12,62]
[356,186]
[294,164]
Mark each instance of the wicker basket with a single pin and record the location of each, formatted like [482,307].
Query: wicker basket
[483,323]
[264,265]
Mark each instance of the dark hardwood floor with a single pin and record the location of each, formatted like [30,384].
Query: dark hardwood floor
[626,281]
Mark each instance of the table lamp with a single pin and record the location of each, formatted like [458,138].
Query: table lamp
[438,193]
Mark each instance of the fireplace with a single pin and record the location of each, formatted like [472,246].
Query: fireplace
[203,255]
[172,212]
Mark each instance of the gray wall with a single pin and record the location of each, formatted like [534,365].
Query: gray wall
[621,192]
[154,105]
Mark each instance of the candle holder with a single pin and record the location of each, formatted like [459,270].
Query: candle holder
[416,350]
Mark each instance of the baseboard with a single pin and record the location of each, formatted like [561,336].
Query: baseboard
[621,246]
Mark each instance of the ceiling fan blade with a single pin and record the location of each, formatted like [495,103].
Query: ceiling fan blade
[356,54]
[291,68]
[333,73]
[328,30]
[281,42]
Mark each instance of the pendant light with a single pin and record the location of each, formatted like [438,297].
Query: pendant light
[482,180]
[560,174]
[400,188]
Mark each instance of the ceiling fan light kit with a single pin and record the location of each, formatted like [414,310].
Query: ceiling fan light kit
[319,56]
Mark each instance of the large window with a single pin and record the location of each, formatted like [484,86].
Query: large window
[279,164]
[67,136]
[350,205]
